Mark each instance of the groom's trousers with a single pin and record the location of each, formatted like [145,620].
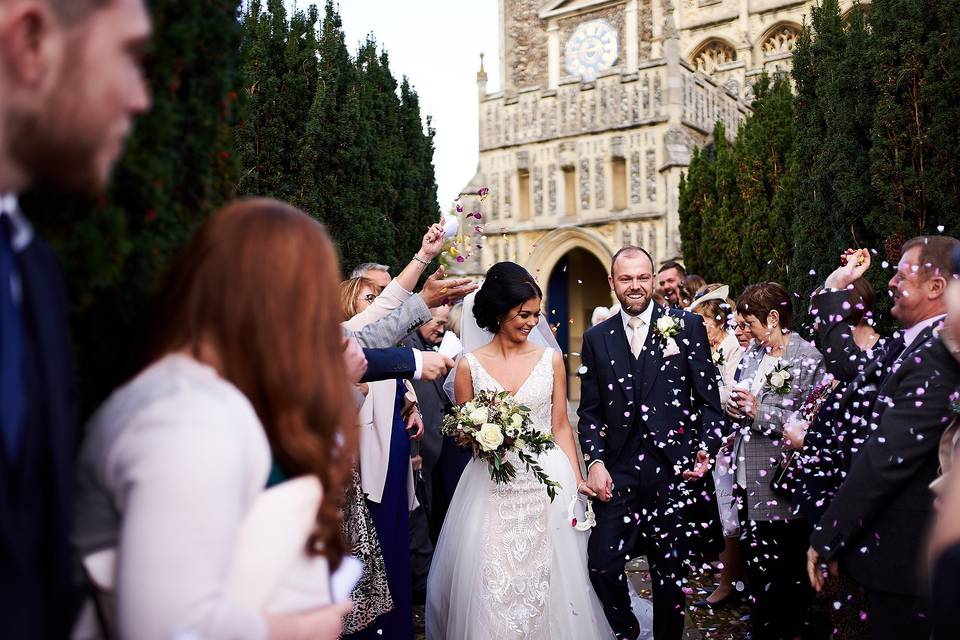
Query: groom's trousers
[642,518]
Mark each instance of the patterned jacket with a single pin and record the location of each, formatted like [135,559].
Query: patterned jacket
[759,442]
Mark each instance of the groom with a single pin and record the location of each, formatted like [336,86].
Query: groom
[649,414]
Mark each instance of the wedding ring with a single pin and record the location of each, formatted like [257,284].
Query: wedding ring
[444,290]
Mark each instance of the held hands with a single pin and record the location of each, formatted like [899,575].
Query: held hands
[584,488]
[701,467]
[600,482]
[432,243]
[354,359]
[434,365]
[853,264]
[438,291]
[815,572]
[742,404]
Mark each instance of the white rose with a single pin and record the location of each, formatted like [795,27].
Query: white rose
[516,420]
[777,380]
[786,375]
[664,324]
[479,415]
[489,437]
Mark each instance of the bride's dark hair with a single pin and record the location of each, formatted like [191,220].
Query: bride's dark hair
[505,286]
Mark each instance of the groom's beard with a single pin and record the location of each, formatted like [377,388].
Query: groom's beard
[634,308]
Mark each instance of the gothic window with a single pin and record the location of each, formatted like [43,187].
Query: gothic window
[712,54]
[781,40]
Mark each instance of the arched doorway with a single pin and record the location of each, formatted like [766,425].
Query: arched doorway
[571,264]
[577,284]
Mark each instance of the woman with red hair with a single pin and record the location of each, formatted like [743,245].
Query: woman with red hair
[246,382]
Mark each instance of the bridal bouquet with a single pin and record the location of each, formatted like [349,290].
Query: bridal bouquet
[495,424]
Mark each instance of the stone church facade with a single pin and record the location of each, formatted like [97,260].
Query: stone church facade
[603,102]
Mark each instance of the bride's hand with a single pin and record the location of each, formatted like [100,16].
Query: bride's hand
[584,488]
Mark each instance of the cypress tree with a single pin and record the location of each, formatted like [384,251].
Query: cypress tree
[280,77]
[697,207]
[834,106]
[417,188]
[734,228]
[915,156]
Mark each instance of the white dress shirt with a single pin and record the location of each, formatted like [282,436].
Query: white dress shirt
[22,231]
[909,335]
[644,329]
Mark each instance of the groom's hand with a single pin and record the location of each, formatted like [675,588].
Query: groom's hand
[702,466]
[598,479]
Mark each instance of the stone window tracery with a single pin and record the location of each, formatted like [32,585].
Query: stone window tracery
[781,40]
[713,54]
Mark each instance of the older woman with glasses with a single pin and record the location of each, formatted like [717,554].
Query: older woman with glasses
[775,379]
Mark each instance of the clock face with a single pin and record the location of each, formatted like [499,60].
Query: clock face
[591,50]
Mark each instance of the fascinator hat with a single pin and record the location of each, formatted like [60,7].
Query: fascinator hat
[720,293]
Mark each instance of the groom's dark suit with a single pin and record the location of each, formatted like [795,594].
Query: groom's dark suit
[645,418]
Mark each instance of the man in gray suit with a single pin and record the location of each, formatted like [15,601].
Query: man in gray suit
[894,412]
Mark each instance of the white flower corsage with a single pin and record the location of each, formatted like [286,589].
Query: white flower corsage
[778,380]
[668,326]
[718,358]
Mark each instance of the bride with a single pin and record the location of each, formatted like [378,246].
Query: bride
[509,563]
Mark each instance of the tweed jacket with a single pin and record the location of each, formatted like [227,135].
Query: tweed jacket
[758,442]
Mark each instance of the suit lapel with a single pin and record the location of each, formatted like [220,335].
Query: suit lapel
[651,358]
[618,353]
[908,351]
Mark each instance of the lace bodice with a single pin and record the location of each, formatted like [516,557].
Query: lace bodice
[536,392]
[516,550]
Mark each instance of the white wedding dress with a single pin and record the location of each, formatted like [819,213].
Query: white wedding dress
[509,564]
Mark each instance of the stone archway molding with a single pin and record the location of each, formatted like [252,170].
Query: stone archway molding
[556,244]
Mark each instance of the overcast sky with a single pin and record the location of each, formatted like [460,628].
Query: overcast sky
[437,44]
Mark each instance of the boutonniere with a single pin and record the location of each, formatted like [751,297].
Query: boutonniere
[667,326]
[718,358]
[778,380]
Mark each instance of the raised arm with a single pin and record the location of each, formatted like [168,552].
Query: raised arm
[401,287]
[831,308]
[907,438]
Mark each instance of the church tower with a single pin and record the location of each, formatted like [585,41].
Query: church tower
[602,103]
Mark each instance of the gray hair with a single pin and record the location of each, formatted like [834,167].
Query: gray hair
[361,269]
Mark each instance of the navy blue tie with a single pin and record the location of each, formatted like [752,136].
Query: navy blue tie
[12,385]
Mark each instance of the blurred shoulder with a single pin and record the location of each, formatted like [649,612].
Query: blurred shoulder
[176,401]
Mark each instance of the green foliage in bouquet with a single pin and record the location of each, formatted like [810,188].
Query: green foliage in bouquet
[493,425]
